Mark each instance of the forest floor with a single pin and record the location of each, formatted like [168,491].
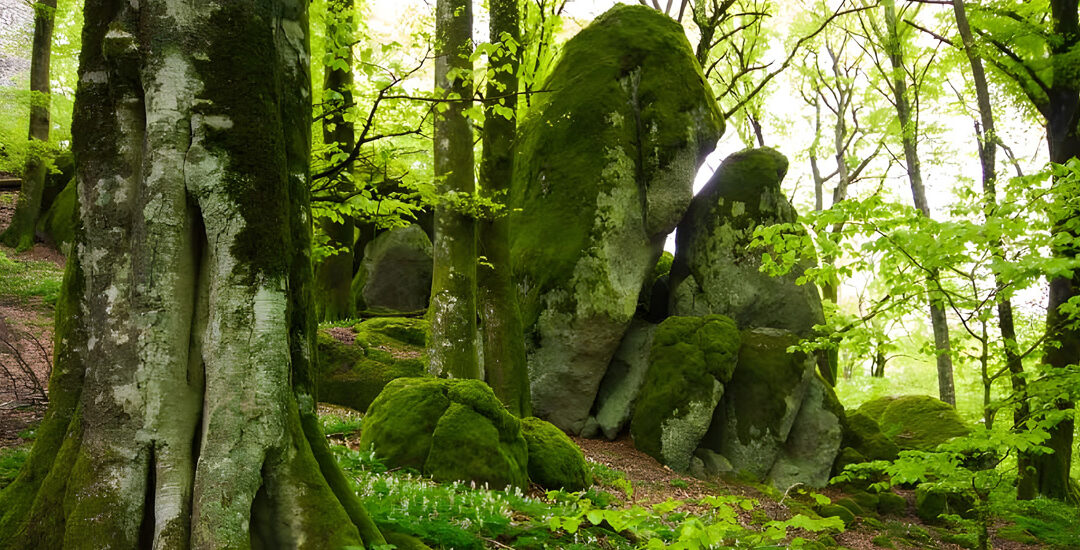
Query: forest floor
[29,284]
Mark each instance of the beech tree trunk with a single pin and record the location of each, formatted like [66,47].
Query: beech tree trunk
[938,320]
[505,368]
[453,286]
[333,275]
[20,233]
[1062,114]
[182,401]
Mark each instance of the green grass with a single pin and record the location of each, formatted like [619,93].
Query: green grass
[11,460]
[345,423]
[22,280]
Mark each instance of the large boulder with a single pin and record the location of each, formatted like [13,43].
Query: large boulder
[555,462]
[690,361]
[714,270]
[761,402]
[622,382]
[813,442]
[452,430]
[916,422]
[604,171]
[395,274]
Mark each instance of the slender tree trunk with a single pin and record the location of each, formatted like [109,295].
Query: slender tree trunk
[453,287]
[938,320]
[182,400]
[333,275]
[20,234]
[988,142]
[504,344]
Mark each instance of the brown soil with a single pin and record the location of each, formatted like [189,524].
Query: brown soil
[7,208]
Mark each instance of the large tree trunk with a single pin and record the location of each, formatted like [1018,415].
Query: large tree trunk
[333,275]
[182,404]
[453,285]
[20,234]
[1063,137]
[504,343]
[938,320]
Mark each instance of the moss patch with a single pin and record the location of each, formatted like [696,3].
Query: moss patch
[863,434]
[378,330]
[688,358]
[452,430]
[352,375]
[916,422]
[59,221]
[555,462]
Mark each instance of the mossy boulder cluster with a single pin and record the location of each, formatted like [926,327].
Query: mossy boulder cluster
[915,422]
[457,430]
[384,349]
[604,171]
[395,274]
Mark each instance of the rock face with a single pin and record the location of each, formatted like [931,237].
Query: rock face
[395,274]
[691,360]
[714,272]
[554,461]
[604,172]
[915,422]
[452,430]
[619,389]
[814,440]
[761,402]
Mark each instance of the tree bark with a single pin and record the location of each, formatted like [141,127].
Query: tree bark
[988,142]
[504,344]
[333,275]
[20,233]
[182,400]
[1062,113]
[938,320]
[453,286]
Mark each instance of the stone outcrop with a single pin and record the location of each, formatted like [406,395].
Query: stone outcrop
[605,167]
[395,274]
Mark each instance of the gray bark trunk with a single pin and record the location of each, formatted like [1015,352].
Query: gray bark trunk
[183,405]
[453,287]
[938,320]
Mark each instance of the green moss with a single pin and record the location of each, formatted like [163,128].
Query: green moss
[555,462]
[875,407]
[931,501]
[663,265]
[242,83]
[414,332]
[448,429]
[892,504]
[851,504]
[763,381]
[837,511]
[402,541]
[920,422]
[863,434]
[689,355]
[627,96]
[11,461]
[58,222]
[882,541]
[352,375]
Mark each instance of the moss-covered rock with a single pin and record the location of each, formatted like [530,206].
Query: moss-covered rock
[383,330]
[452,430]
[395,274]
[890,503]
[813,442]
[623,380]
[555,462]
[605,167]
[931,501]
[690,361]
[352,375]
[916,422]
[714,270]
[59,221]
[863,434]
[837,511]
[761,401]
